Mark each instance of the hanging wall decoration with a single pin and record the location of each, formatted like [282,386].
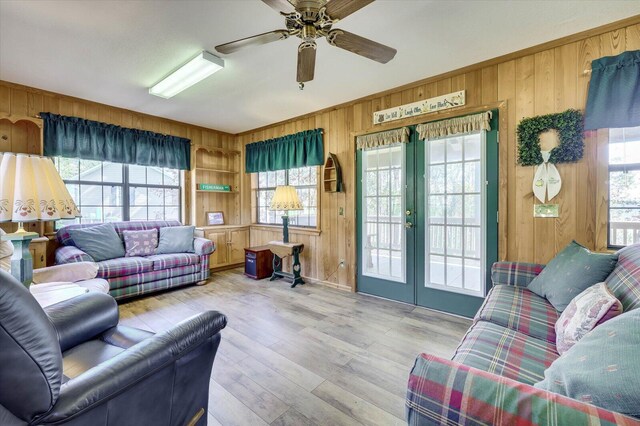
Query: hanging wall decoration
[569,125]
[439,103]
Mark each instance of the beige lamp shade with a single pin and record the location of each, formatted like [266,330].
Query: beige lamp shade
[32,190]
[286,198]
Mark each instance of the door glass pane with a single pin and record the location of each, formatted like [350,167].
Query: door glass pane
[383,233]
[455,228]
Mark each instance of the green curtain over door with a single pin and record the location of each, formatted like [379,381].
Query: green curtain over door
[288,152]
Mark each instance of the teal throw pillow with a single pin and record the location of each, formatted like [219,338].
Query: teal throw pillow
[176,239]
[602,368]
[101,242]
[572,271]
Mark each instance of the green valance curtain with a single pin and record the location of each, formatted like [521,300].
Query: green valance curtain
[91,140]
[288,152]
[614,92]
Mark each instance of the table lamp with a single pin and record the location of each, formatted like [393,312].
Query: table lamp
[31,190]
[285,198]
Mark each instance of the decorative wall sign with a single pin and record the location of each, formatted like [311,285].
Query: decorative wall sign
[569,127]
[214,187]
[426,106]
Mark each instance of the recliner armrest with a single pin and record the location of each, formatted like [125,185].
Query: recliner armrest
[111,378]
[82,318]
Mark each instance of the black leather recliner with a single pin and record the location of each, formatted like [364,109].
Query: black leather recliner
[75,365]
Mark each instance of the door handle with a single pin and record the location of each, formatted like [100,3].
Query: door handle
[408,225]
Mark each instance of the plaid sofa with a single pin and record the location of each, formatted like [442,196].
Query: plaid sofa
[490,378]
[134,276]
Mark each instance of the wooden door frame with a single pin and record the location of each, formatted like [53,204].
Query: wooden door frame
[503,151]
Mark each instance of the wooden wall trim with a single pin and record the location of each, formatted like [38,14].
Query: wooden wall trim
[35,90]
[583,35]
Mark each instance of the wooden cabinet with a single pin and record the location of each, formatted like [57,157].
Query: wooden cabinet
[238,240]
[230,242]
[38,249]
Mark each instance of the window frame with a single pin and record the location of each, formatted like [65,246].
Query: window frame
[256,189]
[126,185]
[624,168]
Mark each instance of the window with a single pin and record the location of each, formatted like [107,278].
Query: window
[383,236]
[624,187]
[305,179]
[111,192]
[456,200]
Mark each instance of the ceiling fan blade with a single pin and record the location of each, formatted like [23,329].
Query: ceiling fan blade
[361,46]
[280,5]
[340,9]
[256,40]
[306,62]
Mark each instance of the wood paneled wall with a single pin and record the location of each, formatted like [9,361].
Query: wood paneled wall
[24,137]
[540,80]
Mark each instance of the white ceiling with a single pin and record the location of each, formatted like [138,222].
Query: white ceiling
[112,51]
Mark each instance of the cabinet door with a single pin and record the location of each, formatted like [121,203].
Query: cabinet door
[239,239]
[220,256]
[38,251]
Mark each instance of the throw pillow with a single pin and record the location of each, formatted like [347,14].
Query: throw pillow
[602,368]
[589,309]
[140,243]
[101,242]
[572,271]
[176,239]
[67,272]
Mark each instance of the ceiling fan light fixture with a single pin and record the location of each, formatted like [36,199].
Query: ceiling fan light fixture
[192,72]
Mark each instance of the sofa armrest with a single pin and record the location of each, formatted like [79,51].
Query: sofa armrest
[82,318]
[111,378]
[517,274]
[70,254]
[446,392]
[203,246]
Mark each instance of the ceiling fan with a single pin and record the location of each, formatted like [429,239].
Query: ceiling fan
[310,20]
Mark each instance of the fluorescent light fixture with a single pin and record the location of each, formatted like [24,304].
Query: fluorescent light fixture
[197,69]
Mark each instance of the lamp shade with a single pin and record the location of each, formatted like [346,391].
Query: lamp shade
[32,190]
[286,198]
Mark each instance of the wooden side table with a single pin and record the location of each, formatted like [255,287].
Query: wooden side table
[281,250]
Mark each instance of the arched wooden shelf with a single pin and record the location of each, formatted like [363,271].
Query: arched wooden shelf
[332,177]
[16,118]
[216,150]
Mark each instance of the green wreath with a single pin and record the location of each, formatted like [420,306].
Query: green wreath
[569,126]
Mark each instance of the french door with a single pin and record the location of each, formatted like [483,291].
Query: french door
[427,220]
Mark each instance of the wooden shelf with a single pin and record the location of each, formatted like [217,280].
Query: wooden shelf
[217,192]
[214,149]
[332,178]
[205,169]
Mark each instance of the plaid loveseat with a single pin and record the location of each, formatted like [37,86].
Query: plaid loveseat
[134,276]
[507,349]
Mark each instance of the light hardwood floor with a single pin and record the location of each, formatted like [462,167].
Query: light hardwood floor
[305,356]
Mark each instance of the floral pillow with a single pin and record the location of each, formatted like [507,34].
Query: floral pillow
[140,243]
[586,311]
